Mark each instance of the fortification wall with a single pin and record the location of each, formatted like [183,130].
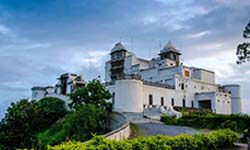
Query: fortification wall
[120,126]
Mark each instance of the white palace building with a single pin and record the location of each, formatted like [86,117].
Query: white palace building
[138,85]
[163,82]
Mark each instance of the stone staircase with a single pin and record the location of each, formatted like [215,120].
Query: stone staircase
[157,112]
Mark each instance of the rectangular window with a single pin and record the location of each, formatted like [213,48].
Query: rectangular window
[183,103]
[162,101]
[186,73]
[182,86]
[172,102]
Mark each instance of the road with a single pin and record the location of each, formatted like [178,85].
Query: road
[152,127]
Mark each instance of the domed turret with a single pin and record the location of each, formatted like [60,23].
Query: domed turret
[169,47]
[118,46]
[118,54]
[170,52]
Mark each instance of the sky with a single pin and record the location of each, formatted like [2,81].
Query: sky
[41,39]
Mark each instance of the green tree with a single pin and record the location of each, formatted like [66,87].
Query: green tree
[243,50]
[24,119]
[16,130]
[93,93]
[79,125]
[50,109]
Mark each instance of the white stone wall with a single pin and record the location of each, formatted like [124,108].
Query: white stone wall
[50,90]
[132,95]
[37,94]
[128,96]
[203,75]
[120,133]
[157,93]
[150,75]
[234,91]
[190,88]
[223,103]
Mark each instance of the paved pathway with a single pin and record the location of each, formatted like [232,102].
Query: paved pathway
[152,127]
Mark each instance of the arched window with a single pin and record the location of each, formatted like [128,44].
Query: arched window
[162,101]
[172,102]
[113,100]
[192,104]
[184,103]
[150,98]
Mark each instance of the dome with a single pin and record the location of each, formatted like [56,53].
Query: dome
[169,47]
[118,46]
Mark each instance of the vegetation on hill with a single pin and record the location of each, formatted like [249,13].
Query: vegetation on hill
[34,124]
[212,140]
[24,119]
[235,122]
[136,131]
[88,117]
[79,125]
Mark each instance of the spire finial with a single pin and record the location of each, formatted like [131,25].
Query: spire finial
[118,46]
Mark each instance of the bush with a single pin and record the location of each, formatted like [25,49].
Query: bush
[79,125]
[235,122]
[169,119]
[25,119]
[69,146]
[212,140]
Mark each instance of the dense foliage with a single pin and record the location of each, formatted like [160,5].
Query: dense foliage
[79,125]
[235,122]
[34,124]
[213,140]
[24,119]
[93,93]
[89,115]
[243,50]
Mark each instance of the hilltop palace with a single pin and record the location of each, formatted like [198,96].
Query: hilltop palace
[138,84]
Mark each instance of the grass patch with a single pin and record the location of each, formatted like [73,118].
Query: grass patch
[136,131]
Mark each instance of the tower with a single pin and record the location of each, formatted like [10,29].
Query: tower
[118,54]
[170,52]
[234,90]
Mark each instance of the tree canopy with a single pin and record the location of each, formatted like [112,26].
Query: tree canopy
[93,93]
[79,125]
[24,119]
[243,50]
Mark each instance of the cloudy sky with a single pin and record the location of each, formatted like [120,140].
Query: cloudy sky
[41,39]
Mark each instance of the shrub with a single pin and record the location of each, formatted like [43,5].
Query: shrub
[213,140]
[79,125]
[68,146]
[235,122]
[169,119]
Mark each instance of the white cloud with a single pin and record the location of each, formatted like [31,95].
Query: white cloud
[233,3]
[212,46]
[150,20]
[93,58]
[6,31]
[198,35]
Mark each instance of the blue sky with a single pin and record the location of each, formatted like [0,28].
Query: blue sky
[41,39]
